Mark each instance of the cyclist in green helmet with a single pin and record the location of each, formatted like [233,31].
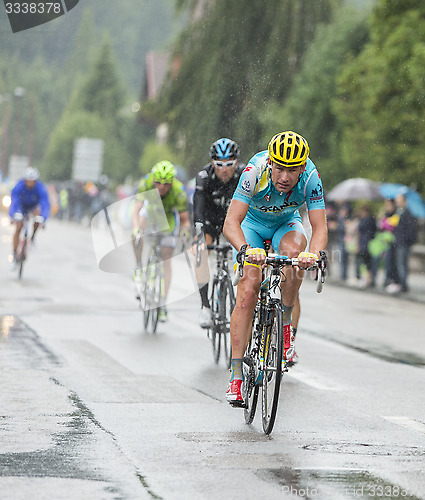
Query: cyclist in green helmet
[145,218]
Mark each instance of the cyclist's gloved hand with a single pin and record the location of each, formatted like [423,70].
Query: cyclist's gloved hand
[256,256]
[185,234]
[39,219]
[18,216]
[199,231]
[307,259]
[135,231]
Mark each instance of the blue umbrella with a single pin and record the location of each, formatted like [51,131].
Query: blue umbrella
[415,203]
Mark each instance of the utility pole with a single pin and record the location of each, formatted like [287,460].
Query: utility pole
[5,138]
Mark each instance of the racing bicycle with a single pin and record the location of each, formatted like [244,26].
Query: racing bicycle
[264,362]
[222,300]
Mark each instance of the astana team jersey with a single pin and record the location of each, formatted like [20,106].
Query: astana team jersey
[269,207]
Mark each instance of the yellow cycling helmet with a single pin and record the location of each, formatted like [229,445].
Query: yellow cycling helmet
[288,149]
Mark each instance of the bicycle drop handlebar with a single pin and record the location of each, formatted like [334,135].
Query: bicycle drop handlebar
[283,260]
[219,248]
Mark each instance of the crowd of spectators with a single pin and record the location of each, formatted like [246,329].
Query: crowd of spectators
[366,239]
[75,200]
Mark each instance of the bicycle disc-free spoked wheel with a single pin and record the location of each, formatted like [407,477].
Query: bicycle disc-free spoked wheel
[215,318]
[249,389]
[157,295]
[227,297]
[148,291]
[273,352]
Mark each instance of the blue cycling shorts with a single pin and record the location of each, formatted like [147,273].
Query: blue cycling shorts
[255,234]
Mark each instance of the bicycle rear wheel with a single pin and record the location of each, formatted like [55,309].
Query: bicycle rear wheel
[227,298]
[249,389]
[273,352]
[215,317]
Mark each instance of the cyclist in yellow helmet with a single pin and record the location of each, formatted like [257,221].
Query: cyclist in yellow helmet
[274,185]
[173,199]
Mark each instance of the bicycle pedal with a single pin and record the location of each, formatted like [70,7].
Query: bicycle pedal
[238,404]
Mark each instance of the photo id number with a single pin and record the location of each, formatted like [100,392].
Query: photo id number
[33,8]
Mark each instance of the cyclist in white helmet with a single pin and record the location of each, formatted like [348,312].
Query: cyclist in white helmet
[28,196]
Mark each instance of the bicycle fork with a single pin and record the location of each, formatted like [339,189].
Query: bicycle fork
[267,348]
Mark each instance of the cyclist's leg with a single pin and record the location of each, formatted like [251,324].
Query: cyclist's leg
[35,212]
[166,256]
[138,242]
[247,294]
[291,239]
[202,272]
[296,312]
[241,319]
[18,218]
[203,277]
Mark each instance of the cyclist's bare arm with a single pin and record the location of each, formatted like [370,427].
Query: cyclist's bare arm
[232,224]
[135,219]
[319,236]
[184,219]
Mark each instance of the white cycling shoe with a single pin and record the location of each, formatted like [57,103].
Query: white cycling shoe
[205,320]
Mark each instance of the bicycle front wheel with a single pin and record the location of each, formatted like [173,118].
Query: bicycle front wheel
[227,298]
[273,352]
[250,388]
[157,295]
[215,317]
[148,291]
[22,254]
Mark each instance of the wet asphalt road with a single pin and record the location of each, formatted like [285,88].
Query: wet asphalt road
[91,406]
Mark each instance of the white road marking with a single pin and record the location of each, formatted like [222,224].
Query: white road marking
[313,380]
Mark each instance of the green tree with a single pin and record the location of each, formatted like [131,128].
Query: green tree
[94,112]
[233,61]
[103,91]
[59,155]
[153,152]
[381,103]
[307,108]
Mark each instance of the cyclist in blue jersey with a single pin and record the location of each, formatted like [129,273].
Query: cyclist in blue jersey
[273,186]
[28,196]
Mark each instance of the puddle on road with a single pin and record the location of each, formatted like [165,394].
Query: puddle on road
[219,438]
[333,484]
[366,449]
[21,347]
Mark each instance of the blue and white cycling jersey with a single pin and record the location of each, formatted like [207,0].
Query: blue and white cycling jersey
[269,207]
